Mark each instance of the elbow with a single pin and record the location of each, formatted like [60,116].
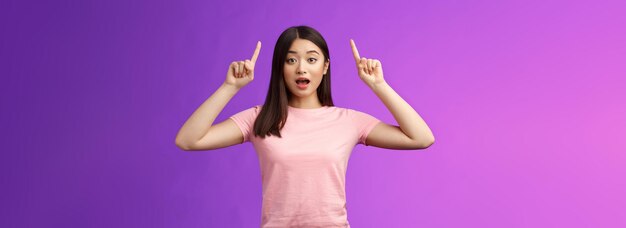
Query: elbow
[182,145]
[420,145]
[183,148]
[430,143]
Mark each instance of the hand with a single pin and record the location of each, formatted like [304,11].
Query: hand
[370,70]
[240,73]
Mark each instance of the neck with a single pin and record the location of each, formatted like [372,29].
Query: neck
[305,102]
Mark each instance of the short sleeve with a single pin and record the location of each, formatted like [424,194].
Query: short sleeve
[364,123]
[245,121]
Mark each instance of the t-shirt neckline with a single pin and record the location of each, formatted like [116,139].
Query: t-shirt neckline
[307,110]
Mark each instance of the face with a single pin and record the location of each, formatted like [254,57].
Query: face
[305,61]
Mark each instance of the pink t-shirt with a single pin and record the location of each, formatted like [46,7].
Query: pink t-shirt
[303,173]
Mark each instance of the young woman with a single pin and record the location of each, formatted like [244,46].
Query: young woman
[302,140]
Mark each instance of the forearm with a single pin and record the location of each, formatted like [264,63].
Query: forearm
[202,118]
[410,122]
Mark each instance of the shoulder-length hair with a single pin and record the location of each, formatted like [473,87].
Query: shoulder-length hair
[273,115]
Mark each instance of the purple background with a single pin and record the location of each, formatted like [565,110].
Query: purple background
[526,100]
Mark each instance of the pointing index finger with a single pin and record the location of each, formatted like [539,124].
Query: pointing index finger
[355,52]
[256,52]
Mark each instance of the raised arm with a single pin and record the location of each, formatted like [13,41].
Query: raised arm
[198,132]
[413,133]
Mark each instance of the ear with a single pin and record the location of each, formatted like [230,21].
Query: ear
[326,65]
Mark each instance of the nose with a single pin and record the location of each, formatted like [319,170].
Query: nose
[300,69]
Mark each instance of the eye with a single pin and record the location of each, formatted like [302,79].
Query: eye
[312,60]
[291,60]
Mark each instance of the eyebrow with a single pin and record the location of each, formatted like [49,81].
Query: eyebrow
[294,52]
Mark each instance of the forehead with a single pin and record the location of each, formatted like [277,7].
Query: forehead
[301,46]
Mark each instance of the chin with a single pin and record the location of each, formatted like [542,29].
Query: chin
[302,93]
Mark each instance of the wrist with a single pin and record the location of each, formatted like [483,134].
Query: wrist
[230,87]
[379,86]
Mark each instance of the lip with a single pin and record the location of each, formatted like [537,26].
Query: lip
[303,86]
[301,77]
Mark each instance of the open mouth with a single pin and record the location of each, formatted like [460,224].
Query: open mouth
[302,81]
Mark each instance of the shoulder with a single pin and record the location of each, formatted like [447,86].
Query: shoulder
[342,109]
[349,111]
[249,112]
[256,108]
[353,114]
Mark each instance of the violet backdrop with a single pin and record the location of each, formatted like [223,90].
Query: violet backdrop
[526,100]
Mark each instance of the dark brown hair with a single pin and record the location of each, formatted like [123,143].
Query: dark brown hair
[273,115]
